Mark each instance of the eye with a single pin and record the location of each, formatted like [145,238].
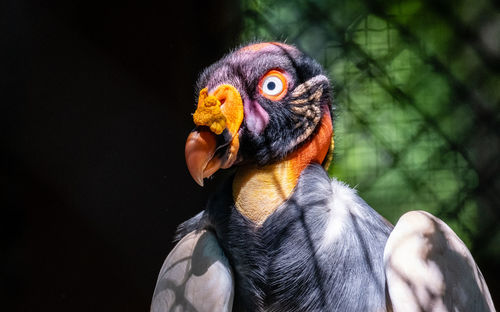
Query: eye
[273,85]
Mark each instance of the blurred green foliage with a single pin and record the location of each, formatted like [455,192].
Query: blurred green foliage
[417,93]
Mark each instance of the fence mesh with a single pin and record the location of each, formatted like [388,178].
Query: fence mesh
[417,96]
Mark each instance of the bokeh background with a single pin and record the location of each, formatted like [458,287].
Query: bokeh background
[96,98]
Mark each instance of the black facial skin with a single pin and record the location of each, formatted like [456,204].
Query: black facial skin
[244,71]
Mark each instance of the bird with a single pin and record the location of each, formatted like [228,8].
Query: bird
[279,234]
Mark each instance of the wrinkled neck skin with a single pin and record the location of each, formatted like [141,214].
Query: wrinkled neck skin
[259,191]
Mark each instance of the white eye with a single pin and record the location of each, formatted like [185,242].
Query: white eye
[272,85]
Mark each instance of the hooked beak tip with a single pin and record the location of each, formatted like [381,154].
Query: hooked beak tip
[199,180]
[199,152]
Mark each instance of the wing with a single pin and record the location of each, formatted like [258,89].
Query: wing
[196,276]
[429,268]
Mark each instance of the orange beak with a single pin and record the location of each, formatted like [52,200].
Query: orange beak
[221,110]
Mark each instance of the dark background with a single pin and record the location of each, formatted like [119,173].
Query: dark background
[96,103]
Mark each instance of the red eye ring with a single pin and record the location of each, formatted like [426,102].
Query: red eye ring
[273,85]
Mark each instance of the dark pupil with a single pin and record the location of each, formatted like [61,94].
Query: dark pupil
[271,85]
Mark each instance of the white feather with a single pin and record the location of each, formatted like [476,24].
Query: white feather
[429,268]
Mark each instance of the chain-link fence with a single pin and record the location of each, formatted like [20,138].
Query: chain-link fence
[417,95]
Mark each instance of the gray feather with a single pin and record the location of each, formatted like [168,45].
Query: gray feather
[196,276]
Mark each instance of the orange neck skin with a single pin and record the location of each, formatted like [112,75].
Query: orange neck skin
[259,191]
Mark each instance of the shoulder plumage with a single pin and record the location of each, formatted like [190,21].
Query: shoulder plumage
[196,223]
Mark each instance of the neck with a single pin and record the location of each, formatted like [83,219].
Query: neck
[259,191]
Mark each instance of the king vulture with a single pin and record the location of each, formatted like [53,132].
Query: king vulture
[280,234]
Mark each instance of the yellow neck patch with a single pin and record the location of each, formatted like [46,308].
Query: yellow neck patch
[258,192]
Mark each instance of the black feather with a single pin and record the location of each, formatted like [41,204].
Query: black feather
[285,265]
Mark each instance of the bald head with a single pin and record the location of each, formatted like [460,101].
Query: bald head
[273,127]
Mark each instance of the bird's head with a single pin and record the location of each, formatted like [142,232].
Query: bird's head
[259,105]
